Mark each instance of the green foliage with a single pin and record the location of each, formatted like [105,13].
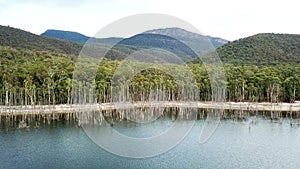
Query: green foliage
[162,42]
[31,77]
[20,39]
[261,49]
[39,77]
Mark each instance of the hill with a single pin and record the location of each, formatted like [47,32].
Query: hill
[170,44]
[77,37]
[66,35]
[201,44]
[20,39]
[262,49]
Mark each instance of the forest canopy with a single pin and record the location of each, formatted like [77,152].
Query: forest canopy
[40,77]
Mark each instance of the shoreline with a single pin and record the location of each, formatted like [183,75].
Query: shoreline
[73,108]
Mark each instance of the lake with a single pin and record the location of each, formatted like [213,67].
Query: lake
[62,144]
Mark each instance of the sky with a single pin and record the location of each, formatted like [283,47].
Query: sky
[228,19]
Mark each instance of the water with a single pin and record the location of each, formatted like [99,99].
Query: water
[234,145]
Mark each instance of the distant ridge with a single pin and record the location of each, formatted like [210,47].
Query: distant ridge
[77,37]
[183,43]
[66,35]
[147,40]
[201,44]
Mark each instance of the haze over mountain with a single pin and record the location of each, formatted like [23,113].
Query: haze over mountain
[201,44]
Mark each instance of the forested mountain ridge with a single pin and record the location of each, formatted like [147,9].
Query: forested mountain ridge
[176,33]
[77,37]
[262,49]
[185,35]
[123,46]
[20,39]
[164,42]
[66,35]
[201,44]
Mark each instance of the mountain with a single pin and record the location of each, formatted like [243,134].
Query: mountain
[217,42]
[111,40]
[77,37]
[20,39]
[170,44]
[66,35]
[199,43]
[183,43]
[262,49]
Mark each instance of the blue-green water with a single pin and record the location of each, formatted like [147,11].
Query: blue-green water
[234,145]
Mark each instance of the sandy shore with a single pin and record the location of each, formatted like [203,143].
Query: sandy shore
[64,108]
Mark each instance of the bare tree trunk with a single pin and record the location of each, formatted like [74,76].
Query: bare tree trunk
[6,97]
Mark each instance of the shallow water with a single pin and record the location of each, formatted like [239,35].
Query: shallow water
[233,145]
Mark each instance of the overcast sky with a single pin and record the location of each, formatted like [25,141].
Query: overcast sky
[229,19]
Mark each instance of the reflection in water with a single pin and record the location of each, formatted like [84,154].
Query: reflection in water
[255,142]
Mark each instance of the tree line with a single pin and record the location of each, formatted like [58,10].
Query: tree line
[38,77]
